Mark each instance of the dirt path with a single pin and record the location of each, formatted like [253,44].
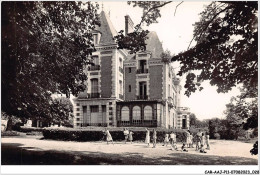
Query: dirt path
[222,152]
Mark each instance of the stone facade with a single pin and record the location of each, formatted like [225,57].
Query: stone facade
[129,90]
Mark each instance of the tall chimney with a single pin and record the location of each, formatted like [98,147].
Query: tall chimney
[129,25]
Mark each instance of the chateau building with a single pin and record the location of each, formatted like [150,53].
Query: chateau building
[138,90]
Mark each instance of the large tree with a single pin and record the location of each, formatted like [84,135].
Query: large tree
[226,39]
[226,47]
[45,46]
[61,112]
[242,111]
[193,120]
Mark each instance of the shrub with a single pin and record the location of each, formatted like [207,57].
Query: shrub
[10,133]
[216,136]
[254,133]
[29,129]
[34,133]
[82,135]
[254,150]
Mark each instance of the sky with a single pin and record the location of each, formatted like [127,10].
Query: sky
[175,32]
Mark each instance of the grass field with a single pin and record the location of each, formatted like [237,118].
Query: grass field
[31,150]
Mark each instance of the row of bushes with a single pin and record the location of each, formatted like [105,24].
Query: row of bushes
[9,133]
[29,129]
[82,135]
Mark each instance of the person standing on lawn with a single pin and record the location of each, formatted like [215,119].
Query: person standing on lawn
[173,141]
[191,140]
[147,137]
[126,134]
[154,138]
[198,140]
[203,142]
[166,139]
[131,136]
[187,133]
[207,141]
[109,137]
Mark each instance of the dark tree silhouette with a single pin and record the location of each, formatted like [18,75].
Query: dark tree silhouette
[45,46]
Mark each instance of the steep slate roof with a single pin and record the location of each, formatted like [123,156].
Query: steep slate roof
[154,45]
[108,32]
[107,29]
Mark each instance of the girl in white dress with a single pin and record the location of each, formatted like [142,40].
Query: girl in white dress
[126,134]
[203,142]
[207,141]
[188,139]
[131,136]
[109,137]
[154,138]
[166,139]
[191,141]
[174,142]
[147,137]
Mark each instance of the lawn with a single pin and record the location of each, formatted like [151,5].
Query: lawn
[34,151]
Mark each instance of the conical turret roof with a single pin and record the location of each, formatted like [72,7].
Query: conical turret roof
[107,29]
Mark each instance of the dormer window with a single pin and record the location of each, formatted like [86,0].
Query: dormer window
[96,38]
[95,59]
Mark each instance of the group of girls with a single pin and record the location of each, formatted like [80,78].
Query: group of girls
[127,133]
[200,139]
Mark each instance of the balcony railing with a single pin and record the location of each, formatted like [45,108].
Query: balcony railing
[139,123]
[121,70]
[142,71]
[142,97]
[94,95]
[93,68]
[94,124]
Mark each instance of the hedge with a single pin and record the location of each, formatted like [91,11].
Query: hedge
[29,129]
[83,135]
[9,133]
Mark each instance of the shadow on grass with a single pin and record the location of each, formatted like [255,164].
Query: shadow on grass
[15,154]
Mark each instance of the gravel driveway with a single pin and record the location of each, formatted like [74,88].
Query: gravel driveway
[17,150]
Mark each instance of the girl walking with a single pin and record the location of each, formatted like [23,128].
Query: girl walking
[173,141]
[207,141]
[131,136]
[203,142]
[154,138]
[198,140]
[166,139]
[188,139]
[109,137]
[147,137]
[191,140]
[126,134]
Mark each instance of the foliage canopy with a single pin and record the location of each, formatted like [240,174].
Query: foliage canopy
[45,46]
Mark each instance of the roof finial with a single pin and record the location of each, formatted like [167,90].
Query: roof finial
[102,6]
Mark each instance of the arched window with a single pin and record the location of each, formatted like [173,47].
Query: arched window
[125,113]
[148,113]
[136,113]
